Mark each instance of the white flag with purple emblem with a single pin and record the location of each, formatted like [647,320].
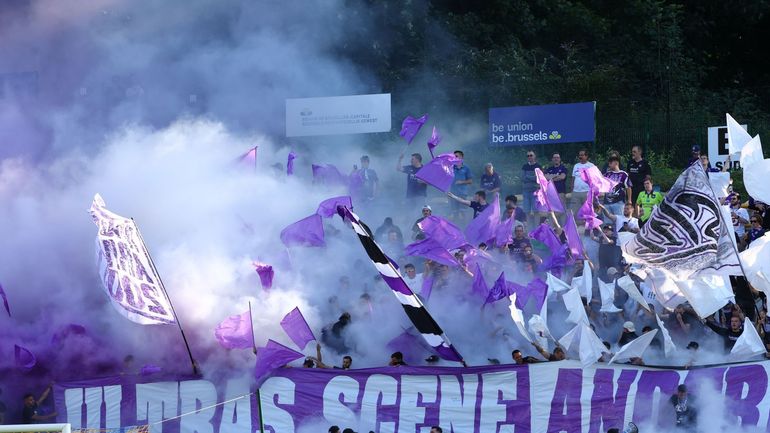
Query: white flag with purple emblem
[130,280]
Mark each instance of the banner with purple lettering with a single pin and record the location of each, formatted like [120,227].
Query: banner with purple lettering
[534,398]
[127,274]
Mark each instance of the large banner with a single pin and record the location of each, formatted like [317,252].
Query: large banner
[542,124]
[717,148]
[337,115]
[541,398]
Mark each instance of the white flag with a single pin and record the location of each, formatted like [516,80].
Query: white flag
[719,183]
[555,285]
[538,328]
[737,137]
[125,269]
[607,292]
[707,292]
[582,342]
[518,318]
[627,284]
[634,348]
[756,262]
[577,312]
[749,345]
[755,170]
[668,343]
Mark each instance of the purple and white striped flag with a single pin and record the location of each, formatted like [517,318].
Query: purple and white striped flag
[413,307]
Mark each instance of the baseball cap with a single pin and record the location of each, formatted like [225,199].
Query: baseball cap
[695,148]
[427,207]
[630,326]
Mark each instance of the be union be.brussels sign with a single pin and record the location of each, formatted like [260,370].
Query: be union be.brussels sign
[542,124]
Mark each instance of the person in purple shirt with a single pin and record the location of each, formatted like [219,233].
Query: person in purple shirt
[621,194]
[518,214]
[557,172]
[756,230]
[490,180]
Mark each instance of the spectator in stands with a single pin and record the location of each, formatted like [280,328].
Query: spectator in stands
[628,334]
[529,184]
[460,185]
[31,412]
[412,278]
[490,180]
[557,172]
[382,231]
[695,155]
[756,230]
[638,169]
[436,429]
[478,204]
[415,188]
[334,429]
[740,217]
[557,355]
[729,335]
[763,327]
[621,193]
[686,414]
[396,359]
[625,222]
[519,242]
[367,188]
[347,360]
[417,233]
[647,201]
[704,160]
[511,202]
[579,186]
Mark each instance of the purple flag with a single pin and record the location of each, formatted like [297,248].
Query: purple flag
[443,232]
[538,289]
[502,289]
[504,233]
[297,329]
[586,212]
[427,287]
[435,139]
[71,329]
[150,369]
[328,207]
[305,232]
[328,174]
[272,356]
[235,332]
[5,300]
[439,172]
[479,285]
[431,249]
[290,163]
[25,360]
[544,233]
[594,178]
[474,255]
[556,261]
[573,238]
[482,228]
[410,345]
[411,126]
[547,198]
[265,273]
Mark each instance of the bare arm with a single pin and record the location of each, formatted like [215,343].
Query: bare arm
[398,164]
[541,351]
[456,198]
[44,395]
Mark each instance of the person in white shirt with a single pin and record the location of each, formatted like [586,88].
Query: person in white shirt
[579,186]
[625,222]
[740,217]
[412,278]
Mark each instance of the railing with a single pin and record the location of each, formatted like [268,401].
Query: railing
[25,428]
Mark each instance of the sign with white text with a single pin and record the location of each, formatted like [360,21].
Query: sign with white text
[718,151]
[337,115]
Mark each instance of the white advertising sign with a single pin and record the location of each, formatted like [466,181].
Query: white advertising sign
[718,150]
[337,115]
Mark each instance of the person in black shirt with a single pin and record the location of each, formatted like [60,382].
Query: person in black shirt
[729,335]
[628,335]
[415,188]
[396,359]
[683,407]
[478,204]
[637,169]
[30,413]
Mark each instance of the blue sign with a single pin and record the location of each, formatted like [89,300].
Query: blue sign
[542,124]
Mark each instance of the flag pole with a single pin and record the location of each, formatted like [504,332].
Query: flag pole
[259,410]
[255,158]
[251,322]
[171,304]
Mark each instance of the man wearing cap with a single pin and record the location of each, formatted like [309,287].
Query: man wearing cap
[695,155]
[628,335]
[417,233]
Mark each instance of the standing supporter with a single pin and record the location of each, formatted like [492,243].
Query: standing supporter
[462,178]
[740,218]
[625,222]
[557,172]
[518,213]
[756,230]
[557,355]
[519,242]
[729,335]
[647,201]
[396,359]
[412,278]
[415,188]
[683,325]
[621,193]
[30,414]
[490,180]
[579,186]
[478,204]
[417,233]
[638,169]
[763,327]
[381,234]
[529,184]
[695,152]
[628,334]
[704,160]
[367,189]
[610,254]
[686,415]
